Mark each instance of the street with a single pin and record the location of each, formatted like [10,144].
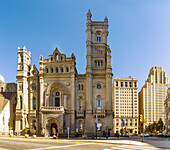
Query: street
[51,144]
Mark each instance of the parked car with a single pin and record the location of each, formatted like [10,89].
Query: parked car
[125,135]
[164,135]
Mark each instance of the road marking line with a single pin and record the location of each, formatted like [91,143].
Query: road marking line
[77,143]
[61,146]
[135,147]
[58,142]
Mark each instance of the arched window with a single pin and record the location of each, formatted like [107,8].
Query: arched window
[98,102]
[51,70]
[34,125]
[67,70]
[46,70]
[61,58]
[33,86]
[82,86]
[20,102]
[80,125]
[98,37]
[95,63]
[22,59]
[79,86]
[2,89]
[57,99]
[61,69]
[101,62]
[51,59]
[56,57]
[98,63]
[56,70]
[34,104]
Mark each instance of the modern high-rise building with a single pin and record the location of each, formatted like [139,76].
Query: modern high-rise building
[167,111]
[58,98]
[125,104]
[153,95]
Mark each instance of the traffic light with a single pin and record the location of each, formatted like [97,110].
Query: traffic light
[141,118]
[141,124]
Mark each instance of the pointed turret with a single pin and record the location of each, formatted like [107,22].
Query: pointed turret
[89,15]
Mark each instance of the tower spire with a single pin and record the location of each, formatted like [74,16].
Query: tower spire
[89,15]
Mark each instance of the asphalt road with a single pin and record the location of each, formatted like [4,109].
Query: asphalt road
[19,144]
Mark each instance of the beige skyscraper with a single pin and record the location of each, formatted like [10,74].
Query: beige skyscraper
[153,95]
[167,111]
[125,104]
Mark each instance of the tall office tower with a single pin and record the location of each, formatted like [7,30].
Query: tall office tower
[125,104]
[167,111]
[153,95]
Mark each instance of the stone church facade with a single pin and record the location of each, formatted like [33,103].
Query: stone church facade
[57,97]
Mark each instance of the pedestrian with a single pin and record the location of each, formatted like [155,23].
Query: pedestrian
[109,133]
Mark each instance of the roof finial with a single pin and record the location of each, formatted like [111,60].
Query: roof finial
[105,19]
[89,15]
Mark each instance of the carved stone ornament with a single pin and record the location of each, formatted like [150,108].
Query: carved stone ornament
[20,86]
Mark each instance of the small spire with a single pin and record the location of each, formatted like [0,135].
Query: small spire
[105,19]
[18,47]
[89,14]
[24,47]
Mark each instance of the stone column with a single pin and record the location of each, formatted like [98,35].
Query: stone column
[72,103]
[41,91]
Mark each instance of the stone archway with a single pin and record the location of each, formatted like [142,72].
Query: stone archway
[52,127]
[51,97]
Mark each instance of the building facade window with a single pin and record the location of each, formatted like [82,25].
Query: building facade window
[51,70]
[34,103]
[2,89]
[130,84]
[61,69]
[101,62]
[56,70]
[20,102]
[46,70]
[95,63]
[98,102]
[57,99]
[98,37]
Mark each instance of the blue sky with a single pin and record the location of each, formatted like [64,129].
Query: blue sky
[139,33]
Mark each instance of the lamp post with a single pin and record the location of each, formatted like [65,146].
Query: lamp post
[96,126]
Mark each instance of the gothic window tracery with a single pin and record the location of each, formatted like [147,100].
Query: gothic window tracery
[98,37]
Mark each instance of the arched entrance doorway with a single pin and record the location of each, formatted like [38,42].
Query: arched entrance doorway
[53,129]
